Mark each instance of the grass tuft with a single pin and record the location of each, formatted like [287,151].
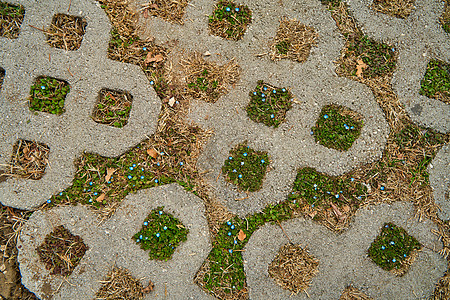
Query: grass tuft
[112,108]
[445,18]
[337,127]
[169,10]
[48,95]
[393,248]
[294,268]
[394,8]
[436,81]
[161,233]
[61,251]
[352,293]
[269,104]
[229,20]
[66,32]
[293,40]
[246,168]
[11,18]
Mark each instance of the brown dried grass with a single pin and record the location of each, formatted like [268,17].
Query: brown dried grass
[352,293]
[29,161]
[66,32]
[169,10]
[394,8]
[294,268]
[10,22]
[224,75]
[119,284]
[300,38]
[442,291]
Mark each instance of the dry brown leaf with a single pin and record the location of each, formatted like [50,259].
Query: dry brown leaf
[149,288]
[100,198]
[359,68]
[156,58]
[241,235]
[346,208]
[337,212]
[109,172]
[152,152]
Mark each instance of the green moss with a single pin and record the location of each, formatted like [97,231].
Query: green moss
[268,104]
[392,246]
[202,84]
[320,189]
[436,81]
[246,167]
[48,95]
[161,233]
[230,20]
[380,58]
[59,248]
[337,127]
[11,17]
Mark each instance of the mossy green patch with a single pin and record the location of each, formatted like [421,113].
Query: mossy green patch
[161,233]
[11,17]
[61,251]
[392,247]
[337,127]
[379,58]
[204,84]
[319,189]
[113,108]
[229,20]
[436,81]
[48,95]
[246,167]
[269,104]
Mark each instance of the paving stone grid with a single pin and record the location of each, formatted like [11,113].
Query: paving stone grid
[290,146]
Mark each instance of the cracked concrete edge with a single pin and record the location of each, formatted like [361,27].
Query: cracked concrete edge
[87,70]
[439,170]
[343,258]
[111,244]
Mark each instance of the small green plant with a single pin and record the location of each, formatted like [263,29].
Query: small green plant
[379,59]
[283,47]
[230,20]
[246,167]
[48,95]
[161,233]
[392,247]
[205,84]
[436,81]
[61,251]
[319,189]
[11,17]
[268,104]
[337,127]
[113,108]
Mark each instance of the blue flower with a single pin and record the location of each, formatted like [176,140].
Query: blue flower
[228,223]
[228,9]
[272,116]
[337,196]
[262,95]
[352,179]
[95,194]
[383,247]
[165,228]
[43,87]
[129,176]
[265,88]
[245,154]
[90,200]
[49,201]
[394,260]
[235,242]
[158,164]
[232,227]
[283,90]
[152,82]
[325,116]
[263,99]
[234,171]
[240,175]
[162,153]
[140,237]
[312,132]
[229,233]
[156,180]
[242,163]
[263,161]
[404,255]
[158,235]
[142,169]
[274,91]
[145,49]
[181,163]
[392,243]
[109,181]
[314,197]
[382,188]
[145,223]
[160,212]
[90,183]
[61,194]
[134,165]
[137,241]
[236,9]
[142,177]
[230,158]
[254,93]
[386,226]
[131,168]
[231,251]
